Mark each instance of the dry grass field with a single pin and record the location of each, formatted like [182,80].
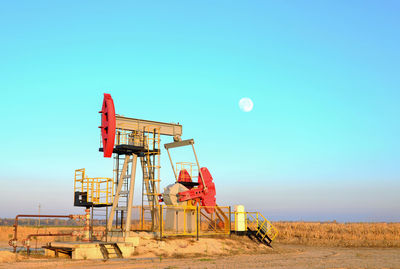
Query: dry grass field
[301,233]
[339,234]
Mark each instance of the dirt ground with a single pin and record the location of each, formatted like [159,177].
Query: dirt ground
[281,256]
[322,246]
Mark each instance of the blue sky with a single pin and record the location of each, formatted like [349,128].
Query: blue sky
[320,144]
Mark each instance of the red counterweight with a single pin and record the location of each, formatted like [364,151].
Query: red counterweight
[184,176]
[206,195]
[108,125]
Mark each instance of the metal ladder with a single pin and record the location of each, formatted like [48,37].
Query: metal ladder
[259,228]
[150,162]
[110,251]
[99,216]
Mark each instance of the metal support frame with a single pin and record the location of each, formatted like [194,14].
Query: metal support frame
[117,193]
[131,191]
[183,143]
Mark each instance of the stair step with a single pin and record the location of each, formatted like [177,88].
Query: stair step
[110,250]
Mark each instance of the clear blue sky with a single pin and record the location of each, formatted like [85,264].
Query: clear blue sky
[321,143]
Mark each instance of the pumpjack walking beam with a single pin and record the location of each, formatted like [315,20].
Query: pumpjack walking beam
[132,124]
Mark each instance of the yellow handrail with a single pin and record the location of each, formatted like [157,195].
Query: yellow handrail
[94,187]
[262,226]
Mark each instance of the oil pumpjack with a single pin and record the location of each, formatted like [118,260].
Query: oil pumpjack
[129,139]
[190,206]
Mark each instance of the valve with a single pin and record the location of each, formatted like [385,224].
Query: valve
[12,243]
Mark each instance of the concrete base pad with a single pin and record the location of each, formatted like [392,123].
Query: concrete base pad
[91,250]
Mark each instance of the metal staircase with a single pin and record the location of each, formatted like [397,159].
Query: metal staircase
[110,251]
[99,216]
[259,228]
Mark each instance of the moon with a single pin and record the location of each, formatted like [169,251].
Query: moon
[245,104]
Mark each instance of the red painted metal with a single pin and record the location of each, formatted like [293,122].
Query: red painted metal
[184,176]
[108,125]
[206,196]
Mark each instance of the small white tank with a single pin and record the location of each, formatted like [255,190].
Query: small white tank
[240,218]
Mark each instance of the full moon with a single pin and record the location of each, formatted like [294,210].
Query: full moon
[245,104]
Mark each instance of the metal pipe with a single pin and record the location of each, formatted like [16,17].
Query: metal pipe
[87,225]
[172,165]
[13,242]
[27,241]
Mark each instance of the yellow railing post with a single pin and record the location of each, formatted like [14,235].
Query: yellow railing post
[161,221]
[197,222]
[142,216]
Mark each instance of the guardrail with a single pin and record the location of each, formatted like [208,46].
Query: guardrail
[185,220]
